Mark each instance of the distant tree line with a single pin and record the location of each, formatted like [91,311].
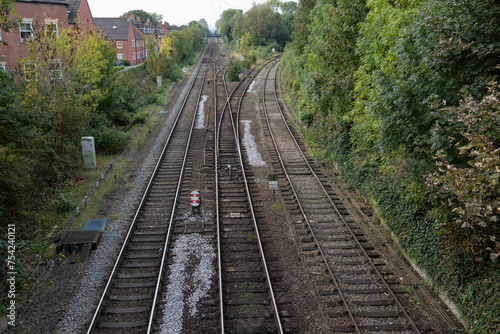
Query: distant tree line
[262,25]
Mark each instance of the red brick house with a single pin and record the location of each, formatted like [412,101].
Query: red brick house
[56,13]
[128,39]
[163,29]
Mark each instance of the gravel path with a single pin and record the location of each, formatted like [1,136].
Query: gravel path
[79,311]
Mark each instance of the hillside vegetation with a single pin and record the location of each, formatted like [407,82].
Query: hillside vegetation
[403,98]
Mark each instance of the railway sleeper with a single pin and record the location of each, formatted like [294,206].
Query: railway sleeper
[251,330]
[131,298]
[128,310]
[249,315]
[121,325]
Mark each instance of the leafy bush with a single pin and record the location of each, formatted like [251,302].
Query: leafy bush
[246,63]
[126,63]
[140,118]
[175,73]
[119,117]
[466,197]
[63,203]
[108,141]
[234,71]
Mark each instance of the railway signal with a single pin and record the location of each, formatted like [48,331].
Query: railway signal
[195,199]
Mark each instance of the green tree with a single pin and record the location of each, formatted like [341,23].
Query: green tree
[15,134]
[158,62]
[237,31]
[154,18]
[466,42]
[225,24]
[261,22]
[284,33]
[186,42]
[301,25]
[204,25]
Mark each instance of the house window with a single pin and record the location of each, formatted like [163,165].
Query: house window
[55,70]
[119,44]
[120,56]
[30,72]
[134,56]
[2,66]
[51,26]
[161,30]
[26,30]
[133,43]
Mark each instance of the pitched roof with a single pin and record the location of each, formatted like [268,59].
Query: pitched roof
[73,9]
[106,24]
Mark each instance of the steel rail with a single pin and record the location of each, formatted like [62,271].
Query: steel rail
[93,322]
[172,214]
[426,299]
[217,214]
[227,106]
[320,249]
[370,261]
[254,218]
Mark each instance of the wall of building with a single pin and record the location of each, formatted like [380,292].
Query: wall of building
[85,15]
[13,48]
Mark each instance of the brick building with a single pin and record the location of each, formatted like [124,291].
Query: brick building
[55,14]
[126,36]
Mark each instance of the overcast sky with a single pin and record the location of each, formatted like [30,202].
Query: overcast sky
[175,12]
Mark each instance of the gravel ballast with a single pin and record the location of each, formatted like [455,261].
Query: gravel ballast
[193,253]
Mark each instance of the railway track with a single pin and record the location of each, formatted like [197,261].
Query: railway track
[248,304]
[129,300]
[360,291]
[155,285]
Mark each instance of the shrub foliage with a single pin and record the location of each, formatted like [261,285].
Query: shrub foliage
[380,84]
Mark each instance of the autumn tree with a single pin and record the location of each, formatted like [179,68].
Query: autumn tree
[8,16]
[467,196]
[159,59]
[65,80]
